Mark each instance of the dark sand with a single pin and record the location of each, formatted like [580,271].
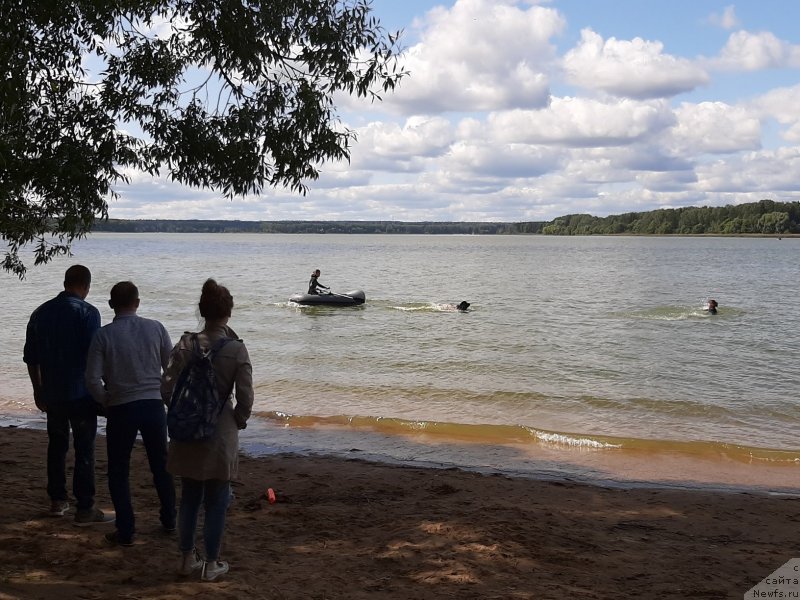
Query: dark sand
[352,529]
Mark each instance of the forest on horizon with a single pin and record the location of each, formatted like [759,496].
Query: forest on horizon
[764,217]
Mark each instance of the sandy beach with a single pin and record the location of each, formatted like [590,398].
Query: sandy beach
[353,529]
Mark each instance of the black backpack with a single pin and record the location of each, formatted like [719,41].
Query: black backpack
[195,405]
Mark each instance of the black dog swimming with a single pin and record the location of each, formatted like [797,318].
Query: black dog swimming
[462,306]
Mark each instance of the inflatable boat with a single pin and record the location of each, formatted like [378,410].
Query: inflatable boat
[330,299]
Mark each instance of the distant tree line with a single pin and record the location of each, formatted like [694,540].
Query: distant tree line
[220,226]
[760,218]
[764,217]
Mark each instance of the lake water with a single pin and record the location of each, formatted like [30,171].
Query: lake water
[587,357]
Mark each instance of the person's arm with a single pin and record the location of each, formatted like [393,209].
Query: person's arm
[166,349]
[95,365]
[36,381]
[93,323]
[171,372]
[244,388]
[30,355]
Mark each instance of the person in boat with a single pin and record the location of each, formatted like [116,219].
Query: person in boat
[712,307]
[462,306]
[314,284]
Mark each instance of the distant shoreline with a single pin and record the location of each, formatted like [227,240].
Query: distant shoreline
[765,218]
[640,235]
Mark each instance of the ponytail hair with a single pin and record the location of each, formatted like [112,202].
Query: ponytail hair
[216,301]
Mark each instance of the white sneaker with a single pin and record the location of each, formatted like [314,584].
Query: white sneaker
[190,562]
[58,508]
[213,569]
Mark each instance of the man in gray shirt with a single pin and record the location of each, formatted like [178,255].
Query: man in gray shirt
[123,373]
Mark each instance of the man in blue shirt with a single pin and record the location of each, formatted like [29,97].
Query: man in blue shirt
[123,374]
[56,343]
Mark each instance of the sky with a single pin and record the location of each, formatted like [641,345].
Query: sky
[526,111]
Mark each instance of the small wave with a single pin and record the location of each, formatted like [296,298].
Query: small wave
[521,434]
[430,307]
[560,439]
[666,313]
[678,313]
[285,304]
[680,408]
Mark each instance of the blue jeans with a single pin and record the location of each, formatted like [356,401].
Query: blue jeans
[81,416]
[124,422]
[215,495]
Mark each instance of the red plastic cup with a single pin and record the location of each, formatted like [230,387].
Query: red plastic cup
[271,496]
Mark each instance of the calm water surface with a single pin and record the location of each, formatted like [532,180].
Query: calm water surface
[584,343]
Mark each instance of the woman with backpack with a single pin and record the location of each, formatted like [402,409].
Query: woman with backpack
[206,456]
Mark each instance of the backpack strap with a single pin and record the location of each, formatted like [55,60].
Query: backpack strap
[212,354]
[217,346]
[196,351]
[212,351]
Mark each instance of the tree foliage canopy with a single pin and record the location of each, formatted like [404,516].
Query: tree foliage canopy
[233,95]
[764,217]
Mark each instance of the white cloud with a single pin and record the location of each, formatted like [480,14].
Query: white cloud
[714,127]
[419,136]
[503,162]
[726,20]
[667,181]
[392,147]
[765,173]
[647,157]
[582,122]
[479,55]
[341,176]
[781,104]
[792,133]
[636,68]
[746,51]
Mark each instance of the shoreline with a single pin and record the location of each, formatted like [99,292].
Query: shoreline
[539,454]
[349,528]
[608,467]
